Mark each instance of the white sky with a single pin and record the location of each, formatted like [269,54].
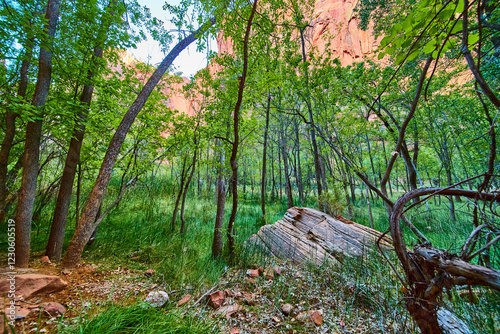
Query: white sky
[188,62]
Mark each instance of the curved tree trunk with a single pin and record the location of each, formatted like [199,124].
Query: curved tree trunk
[86,226]
[27,193]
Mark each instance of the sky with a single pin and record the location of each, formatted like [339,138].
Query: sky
[188,62]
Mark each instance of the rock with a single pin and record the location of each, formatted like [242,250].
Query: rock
[66,272]
[277,271]
[149,272]
[234,331]
[184,300]
[316,317]
[45,259]
[253,273]
[261,270]
[302,316]
[250,299]
[287,309]
[228,310]
[269,273]
[228,293]
[29,285]
[157,298]
[305,235]
[215,299]
[17,312]
[53,308]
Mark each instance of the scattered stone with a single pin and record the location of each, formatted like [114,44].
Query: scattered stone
[157,298]
[228,293]
[149,272]
[66,272]
[228,310]
[53,308]
[316,317]
[269,273]
[45,259]
[31,307]
[28,285]
[277,271]
[250,299]
[184,300]
[234,331]
[216,299]
[287,309]
[302,316]
[18,312]
[253,272]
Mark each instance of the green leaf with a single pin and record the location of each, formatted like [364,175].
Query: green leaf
[460,6]
[429,47]
[412,55]
[473,38]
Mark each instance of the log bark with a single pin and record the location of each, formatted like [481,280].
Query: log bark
[308,235]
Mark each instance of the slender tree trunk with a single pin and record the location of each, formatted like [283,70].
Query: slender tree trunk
[300,186]
[220,190]
[81,236]
[288,186]
[264,160]
[236,139]
[179,194]
[32,145]
[273,189]
[10,130]
[193,167]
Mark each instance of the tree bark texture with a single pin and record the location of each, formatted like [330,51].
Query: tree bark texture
[27,193]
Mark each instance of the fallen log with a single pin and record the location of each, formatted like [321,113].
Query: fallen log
[306,234]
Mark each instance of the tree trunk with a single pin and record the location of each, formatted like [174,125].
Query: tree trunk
[236,139]
[179,194]
[32,145]
[193,167]
[300,186]
[58,227]
[264,160]
[220,190]
[10,130]
[81,236]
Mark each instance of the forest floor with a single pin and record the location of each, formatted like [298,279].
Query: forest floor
[251,305]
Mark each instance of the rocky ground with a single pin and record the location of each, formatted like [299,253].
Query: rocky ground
[278,298]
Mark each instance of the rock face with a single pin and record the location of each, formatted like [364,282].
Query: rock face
[306,234]
[335,21]
[29,285]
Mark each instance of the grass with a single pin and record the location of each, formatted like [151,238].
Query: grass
[137,235]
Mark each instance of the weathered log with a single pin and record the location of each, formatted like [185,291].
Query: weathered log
[308,235]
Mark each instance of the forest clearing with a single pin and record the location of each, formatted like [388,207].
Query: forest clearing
[334,168]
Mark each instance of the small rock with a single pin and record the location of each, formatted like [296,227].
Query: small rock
[157,298]
[216,299]
[19,313]
[65,272]
[149,272]
[253,273]
[53,308]
[228,293]
[277,271]
[228,310]
[45,259]
[31,307]
[238,295]
[287,309]
[234,331]
[260,269]
[250,299]
[302,316]
[184,300]
[316,317]
[269,273]
[276,319]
